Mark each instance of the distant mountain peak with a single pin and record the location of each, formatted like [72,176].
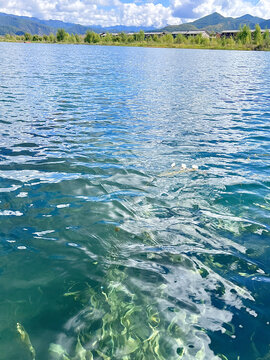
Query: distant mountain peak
[14,24]
[213,16]
[246,16]
[250,18]
[216,23]
[216,14]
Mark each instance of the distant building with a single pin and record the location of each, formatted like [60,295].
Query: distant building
[233,33]
[189,33]
[104,34]
[158,33]
[229,33]
[192,33]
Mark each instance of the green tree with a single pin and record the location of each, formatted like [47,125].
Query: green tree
[244,35]
[167,39]
[214,42]
[52,38]
[78,39]
[91,37]
[223,41]
[116,38]
[35,37]
[198,39]
[123,37]
[191,39]
[27,37]
[45,37]
[205,41]
[266,38]
[230,42]
[13,38]
[72,39]
[61,35]
[155,37]
[266,34]
[139,36]
[107,38]
[258,35]
[130,38]
[180,39]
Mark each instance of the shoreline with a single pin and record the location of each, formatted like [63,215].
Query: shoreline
[146,45]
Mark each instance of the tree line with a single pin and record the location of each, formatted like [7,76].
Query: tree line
[245,39]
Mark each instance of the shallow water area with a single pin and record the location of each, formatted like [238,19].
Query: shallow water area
[106,250]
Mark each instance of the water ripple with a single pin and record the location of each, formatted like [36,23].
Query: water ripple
[106,249]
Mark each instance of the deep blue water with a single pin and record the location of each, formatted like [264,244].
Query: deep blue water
[107,250]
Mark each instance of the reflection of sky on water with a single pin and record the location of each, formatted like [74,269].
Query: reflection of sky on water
[86,134]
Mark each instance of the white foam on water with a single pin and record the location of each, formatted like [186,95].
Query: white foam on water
[10,213]
[60,206]
[41,233]
[22,195]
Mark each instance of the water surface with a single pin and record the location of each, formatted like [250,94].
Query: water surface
[104,247]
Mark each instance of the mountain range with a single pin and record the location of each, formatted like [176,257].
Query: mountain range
[18,25]
[13,24]
[217,23]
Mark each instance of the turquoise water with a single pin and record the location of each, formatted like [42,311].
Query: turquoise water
[108,252]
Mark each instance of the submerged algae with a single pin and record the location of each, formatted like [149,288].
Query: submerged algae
[112,322]
[26,340]
[114,325]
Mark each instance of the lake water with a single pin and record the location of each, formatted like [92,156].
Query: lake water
[108,252]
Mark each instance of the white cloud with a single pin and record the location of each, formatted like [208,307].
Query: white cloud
[198,8]
[148,14]
[93,12]
[142,12]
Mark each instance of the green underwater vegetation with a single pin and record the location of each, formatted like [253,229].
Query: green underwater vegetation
[25,339]
[121,328]
[115,321]
[113,324]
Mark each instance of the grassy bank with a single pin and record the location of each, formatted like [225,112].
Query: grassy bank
[244,40]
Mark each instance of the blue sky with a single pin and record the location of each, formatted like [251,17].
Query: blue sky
[154,13]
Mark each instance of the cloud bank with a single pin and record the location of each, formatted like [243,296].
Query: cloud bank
[156,13]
